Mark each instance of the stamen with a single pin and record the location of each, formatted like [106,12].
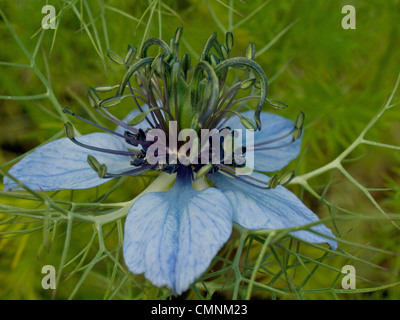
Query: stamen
[274,140]
[244,99]
[66,110]
[247,182]
[132,172]
[272,148]
[127,138]
[142,84]
[295,132]
[109,116]
[138,105]
[118,152]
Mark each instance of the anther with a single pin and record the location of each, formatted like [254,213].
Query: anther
[286,178]
[69,130]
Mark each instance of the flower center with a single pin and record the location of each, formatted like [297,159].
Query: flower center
[177,103]
[208,153]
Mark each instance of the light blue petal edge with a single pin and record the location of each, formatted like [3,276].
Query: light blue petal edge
[61,164]
[173,236]
[254,208]
[273,126]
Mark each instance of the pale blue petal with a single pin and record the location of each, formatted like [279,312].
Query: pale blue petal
[254,208]
[273,126]
[61,164]
[173,236]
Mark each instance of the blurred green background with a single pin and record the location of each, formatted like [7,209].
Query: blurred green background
[339,78]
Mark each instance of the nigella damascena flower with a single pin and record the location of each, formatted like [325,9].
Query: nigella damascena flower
[177,225]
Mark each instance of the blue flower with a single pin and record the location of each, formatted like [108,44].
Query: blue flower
[173,232]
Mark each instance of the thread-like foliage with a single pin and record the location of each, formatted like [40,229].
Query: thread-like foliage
[81,232]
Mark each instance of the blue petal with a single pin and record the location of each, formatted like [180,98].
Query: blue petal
[173,236]
[273,126]
[61,164]
[254,208]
